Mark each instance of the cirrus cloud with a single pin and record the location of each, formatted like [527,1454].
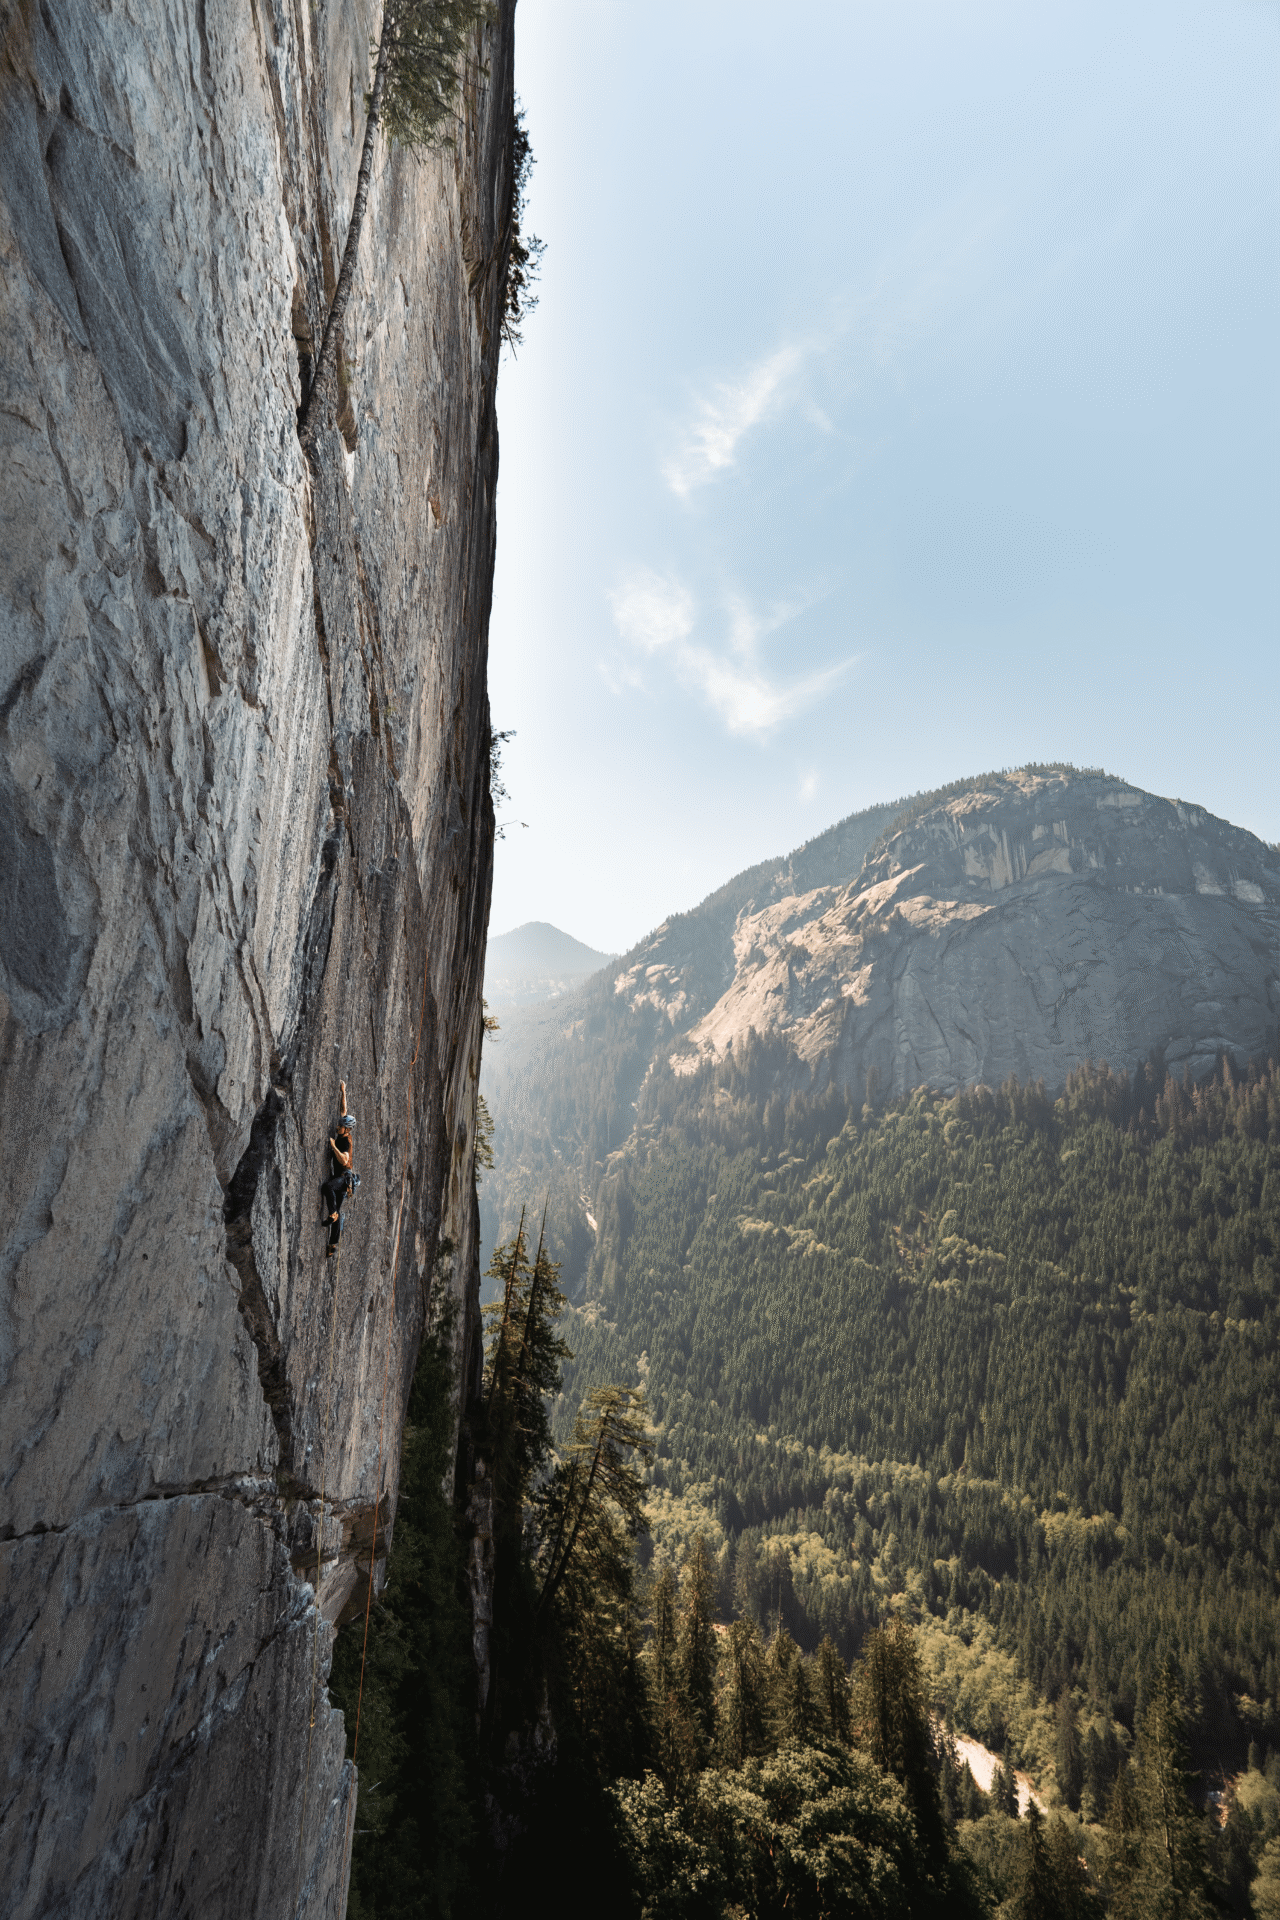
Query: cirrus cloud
[737,406]
[657,615]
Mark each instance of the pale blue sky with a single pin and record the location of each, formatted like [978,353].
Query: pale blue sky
[902,402]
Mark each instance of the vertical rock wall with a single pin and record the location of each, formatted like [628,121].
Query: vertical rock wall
[245,846]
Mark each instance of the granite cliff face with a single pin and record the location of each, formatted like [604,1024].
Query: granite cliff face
[1023,926]
[245,847]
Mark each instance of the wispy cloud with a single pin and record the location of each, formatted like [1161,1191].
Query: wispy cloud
[736,406]
[929,293]
[655,616]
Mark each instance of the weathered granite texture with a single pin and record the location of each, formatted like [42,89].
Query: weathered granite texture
[245,848]
[1033,922]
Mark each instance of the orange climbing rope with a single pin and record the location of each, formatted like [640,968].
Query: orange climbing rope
[386,1375]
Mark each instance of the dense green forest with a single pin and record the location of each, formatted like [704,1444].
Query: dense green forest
[1013,1358]
[953,1419]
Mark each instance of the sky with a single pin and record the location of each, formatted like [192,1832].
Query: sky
[902,402]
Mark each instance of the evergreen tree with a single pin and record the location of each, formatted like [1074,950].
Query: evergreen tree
[973,1801]
[522,1369]
[1068,1756]
[1070,1880]
[522,1372]
[1098,1771]
[593,1506]
[675,1745]
[698,1646]
[781,1656]
[587,1516]
[1004,1791]
[662,1647]
[412,1689]
[1265,1891]
[1159,1867]
[1035,1898]
[833,1691]
[891,1716]
[949,1794]
[746,1578]
[742,1715]
[801,1711]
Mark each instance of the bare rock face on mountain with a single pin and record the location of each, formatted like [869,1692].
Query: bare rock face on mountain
[1029,923]
[245,847]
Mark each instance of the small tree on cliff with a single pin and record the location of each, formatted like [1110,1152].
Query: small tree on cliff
[415,83]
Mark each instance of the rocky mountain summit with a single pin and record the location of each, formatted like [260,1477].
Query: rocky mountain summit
[1023,925]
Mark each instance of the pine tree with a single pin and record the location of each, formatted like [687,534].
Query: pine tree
[662,1613]
[1004,1791]
[522,1373]
[1159,1864]
[801,1711]
[585,1615]
[833,1691]
[743,1731]
[1036,1897]
[1068,1755]
[509,1267]
[1265,1891]
[674,1742]
[746,1578]
[593,1506]
[698,1646]
[1070,1880]
[783,1686]
[973,1801]
[891,1715]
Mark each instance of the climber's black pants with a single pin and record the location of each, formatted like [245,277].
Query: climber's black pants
[334,1192]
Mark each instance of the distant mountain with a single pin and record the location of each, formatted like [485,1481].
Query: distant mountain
[1015,923]
[1019,923]
[537,962]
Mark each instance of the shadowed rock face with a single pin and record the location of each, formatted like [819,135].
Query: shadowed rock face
[245,847]
[1022,927]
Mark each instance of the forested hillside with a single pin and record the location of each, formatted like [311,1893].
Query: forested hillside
[1010,1363]
[875,1432]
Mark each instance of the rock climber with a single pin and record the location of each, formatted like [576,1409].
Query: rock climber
[342,1177]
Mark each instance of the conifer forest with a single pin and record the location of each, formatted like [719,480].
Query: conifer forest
[884,1445]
